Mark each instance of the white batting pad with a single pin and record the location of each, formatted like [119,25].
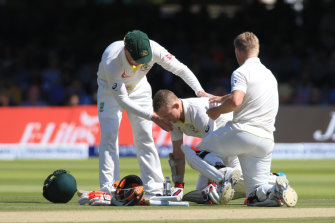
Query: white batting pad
[200,165]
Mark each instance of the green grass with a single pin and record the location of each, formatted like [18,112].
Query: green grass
[21,183]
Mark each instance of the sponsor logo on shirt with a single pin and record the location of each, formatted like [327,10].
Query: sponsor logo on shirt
[124,75]
[169,56]
[207,128]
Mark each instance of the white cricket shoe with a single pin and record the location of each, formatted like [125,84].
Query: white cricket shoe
[232,176]
[284,192]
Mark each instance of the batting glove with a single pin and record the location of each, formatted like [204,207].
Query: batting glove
[178,191]
[101,200]
[83,199]
[95,198]
[210,193]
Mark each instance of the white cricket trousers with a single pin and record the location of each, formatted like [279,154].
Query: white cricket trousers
[110,118]
[254,154]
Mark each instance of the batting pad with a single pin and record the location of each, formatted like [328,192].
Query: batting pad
[202,166]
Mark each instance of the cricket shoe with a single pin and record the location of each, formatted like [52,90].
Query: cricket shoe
[253,201]
[284,192]
[178,191]
[280,174]
[232,176]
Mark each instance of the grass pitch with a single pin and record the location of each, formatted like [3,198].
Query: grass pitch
[21,183]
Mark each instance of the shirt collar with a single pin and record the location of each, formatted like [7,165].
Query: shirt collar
[126,63]
[252,60]
[124,59]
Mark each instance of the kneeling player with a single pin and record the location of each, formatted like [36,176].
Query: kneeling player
[189,117]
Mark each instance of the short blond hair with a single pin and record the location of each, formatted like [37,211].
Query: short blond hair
[247,42]
[163,98]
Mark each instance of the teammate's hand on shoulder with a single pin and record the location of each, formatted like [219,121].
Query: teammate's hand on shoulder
[163,123]
[215,99]
[204,94]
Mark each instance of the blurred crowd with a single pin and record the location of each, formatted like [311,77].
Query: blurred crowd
[50,50]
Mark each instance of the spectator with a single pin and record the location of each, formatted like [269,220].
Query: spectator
[4,98]
[33,96]
[73,100]
[40,45]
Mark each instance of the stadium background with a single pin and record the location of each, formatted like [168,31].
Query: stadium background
[50,52]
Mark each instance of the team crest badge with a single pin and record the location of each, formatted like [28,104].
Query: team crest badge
[144,53]
[101,106]
[145,67]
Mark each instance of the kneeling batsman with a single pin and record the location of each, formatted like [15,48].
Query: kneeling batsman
[128,192]
[225,179]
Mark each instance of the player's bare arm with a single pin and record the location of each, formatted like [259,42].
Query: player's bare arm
[178,157]
[218,99]
[177,164]
[229,104]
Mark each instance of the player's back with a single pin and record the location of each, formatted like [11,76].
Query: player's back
[260,104]
[111,59]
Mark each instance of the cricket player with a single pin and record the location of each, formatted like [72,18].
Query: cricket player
[254,101]
[122,84]
[189,117]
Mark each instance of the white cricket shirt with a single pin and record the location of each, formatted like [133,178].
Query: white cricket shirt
[197,123]
[259,108]
[121,78]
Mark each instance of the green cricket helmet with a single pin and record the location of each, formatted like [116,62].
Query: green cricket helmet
[59,187]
